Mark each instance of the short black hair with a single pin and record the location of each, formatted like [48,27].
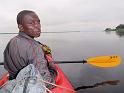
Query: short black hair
[21,15]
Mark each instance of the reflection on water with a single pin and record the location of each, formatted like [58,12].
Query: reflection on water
[115,82]
[120,33]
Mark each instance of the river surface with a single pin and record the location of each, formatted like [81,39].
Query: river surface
[75,46]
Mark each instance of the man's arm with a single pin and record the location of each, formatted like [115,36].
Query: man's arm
[36,56]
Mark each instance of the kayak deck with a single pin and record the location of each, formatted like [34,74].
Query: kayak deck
[62,84]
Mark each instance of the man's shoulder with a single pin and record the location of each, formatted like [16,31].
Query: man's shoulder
[12,40]
[15,38]
[18,40]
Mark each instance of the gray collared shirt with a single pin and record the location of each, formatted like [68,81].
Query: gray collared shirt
[23,50]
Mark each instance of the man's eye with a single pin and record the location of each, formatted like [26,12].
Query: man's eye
[31,23]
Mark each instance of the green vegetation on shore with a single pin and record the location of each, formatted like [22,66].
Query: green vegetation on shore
[119,28]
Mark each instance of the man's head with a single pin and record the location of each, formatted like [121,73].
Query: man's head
[29,23]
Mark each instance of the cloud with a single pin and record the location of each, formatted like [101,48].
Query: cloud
[65,14]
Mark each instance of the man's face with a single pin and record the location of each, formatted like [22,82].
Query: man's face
[31,25]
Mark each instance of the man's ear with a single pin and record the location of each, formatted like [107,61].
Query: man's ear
[20,27]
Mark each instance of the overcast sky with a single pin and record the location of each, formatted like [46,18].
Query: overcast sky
[64,15]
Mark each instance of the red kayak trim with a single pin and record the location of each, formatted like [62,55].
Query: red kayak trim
[62,84]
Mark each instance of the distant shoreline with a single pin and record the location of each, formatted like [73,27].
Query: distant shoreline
[45,32]
[119,28]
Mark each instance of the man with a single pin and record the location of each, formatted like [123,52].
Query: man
[23,49]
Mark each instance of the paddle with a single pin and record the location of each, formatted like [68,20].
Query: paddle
[100,61]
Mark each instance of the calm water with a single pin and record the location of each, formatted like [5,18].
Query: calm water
[81,45]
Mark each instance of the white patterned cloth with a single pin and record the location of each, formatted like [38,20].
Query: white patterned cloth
[28,80]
